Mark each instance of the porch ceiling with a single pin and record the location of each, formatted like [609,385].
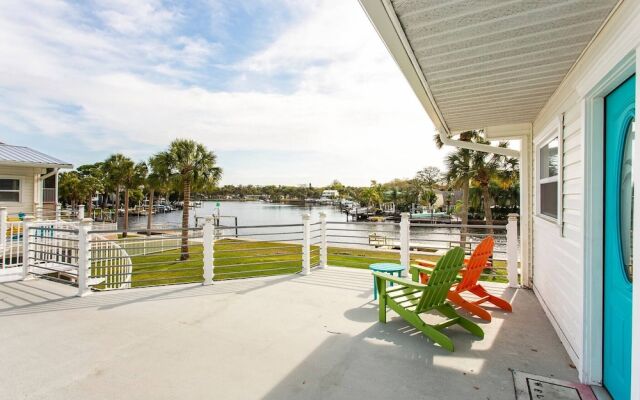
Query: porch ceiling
[486,63]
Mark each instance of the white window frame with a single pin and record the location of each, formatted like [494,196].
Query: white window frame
[552,131]
[20,183]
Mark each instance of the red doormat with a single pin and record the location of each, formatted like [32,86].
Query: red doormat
[536,387]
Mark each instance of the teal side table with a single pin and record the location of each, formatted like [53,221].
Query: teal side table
[389,268]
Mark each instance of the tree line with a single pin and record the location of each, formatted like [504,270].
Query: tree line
[185,167]
[188,168]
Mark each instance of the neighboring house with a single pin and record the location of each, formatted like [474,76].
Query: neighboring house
[560,77]
[330,194]
[28,179]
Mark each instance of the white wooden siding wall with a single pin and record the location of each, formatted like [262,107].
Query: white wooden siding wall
[557,260]
[27,189]
[558,252]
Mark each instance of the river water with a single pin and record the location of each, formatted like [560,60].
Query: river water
[247,212]
[260,213]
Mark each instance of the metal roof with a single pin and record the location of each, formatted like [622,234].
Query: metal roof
[25,156]
[486,63]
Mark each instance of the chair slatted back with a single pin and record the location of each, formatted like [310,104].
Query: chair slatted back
[443,276]
[476,264]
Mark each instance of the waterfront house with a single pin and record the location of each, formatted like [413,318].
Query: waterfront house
[330,194]
[559,77]
[28,180]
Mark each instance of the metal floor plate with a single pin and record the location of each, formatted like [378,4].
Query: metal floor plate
[536,387]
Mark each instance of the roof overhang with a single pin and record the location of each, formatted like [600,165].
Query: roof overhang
[486,65]
[35,165]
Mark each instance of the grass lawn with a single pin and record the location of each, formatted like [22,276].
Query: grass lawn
[242,259]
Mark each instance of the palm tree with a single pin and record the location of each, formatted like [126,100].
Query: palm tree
[192,167]
[486,167]
[157,180]
[115,168]
[69,186]
[133,176]
[459,173]
[93,181]
[89,186]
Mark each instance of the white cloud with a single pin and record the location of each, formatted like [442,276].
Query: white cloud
[346,99]
[136,17]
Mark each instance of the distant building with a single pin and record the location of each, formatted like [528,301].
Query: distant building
[330,194]
[28,179]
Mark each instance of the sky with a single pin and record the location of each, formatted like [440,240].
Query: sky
[283,91]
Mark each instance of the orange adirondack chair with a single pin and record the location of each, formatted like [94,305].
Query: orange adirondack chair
[469,281]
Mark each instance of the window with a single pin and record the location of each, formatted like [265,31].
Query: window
[548,186]
[9,190]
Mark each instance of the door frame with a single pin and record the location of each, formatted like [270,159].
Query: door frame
[593,103]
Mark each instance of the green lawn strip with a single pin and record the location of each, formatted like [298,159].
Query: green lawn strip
[359,258]
[241,259]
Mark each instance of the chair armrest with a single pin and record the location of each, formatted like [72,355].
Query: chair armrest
[426,263]
[418,271]
[421,269]
[399,281]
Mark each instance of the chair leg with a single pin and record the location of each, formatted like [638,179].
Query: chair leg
[497,301]
[475,309]
[448,311]
[382,303]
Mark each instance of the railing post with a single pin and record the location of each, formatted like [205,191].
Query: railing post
[58,211]
[3,238]
[324,259]
[306,244]
[80,212]
[404,242]
[84,257]
[26,246]
[512,250]
[207,256]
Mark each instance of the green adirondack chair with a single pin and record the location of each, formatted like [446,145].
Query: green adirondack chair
[410,299]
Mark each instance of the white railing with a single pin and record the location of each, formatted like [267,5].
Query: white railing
[115,259]
[139,245]
[51,250]
[11,246]
[111,265]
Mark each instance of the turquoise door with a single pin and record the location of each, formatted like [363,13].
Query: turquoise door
[618,222]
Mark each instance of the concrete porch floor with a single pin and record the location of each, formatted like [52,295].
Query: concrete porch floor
[288,337]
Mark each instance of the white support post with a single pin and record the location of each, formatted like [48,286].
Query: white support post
[207,243]
[58,211]
[404,242]
[26,246]
[512,250]
[324,259]
[3,231]
[306,244]
[80,212]
[84,259]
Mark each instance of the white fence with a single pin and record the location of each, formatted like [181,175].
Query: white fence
[110,264]
[115,259]
[11,245]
